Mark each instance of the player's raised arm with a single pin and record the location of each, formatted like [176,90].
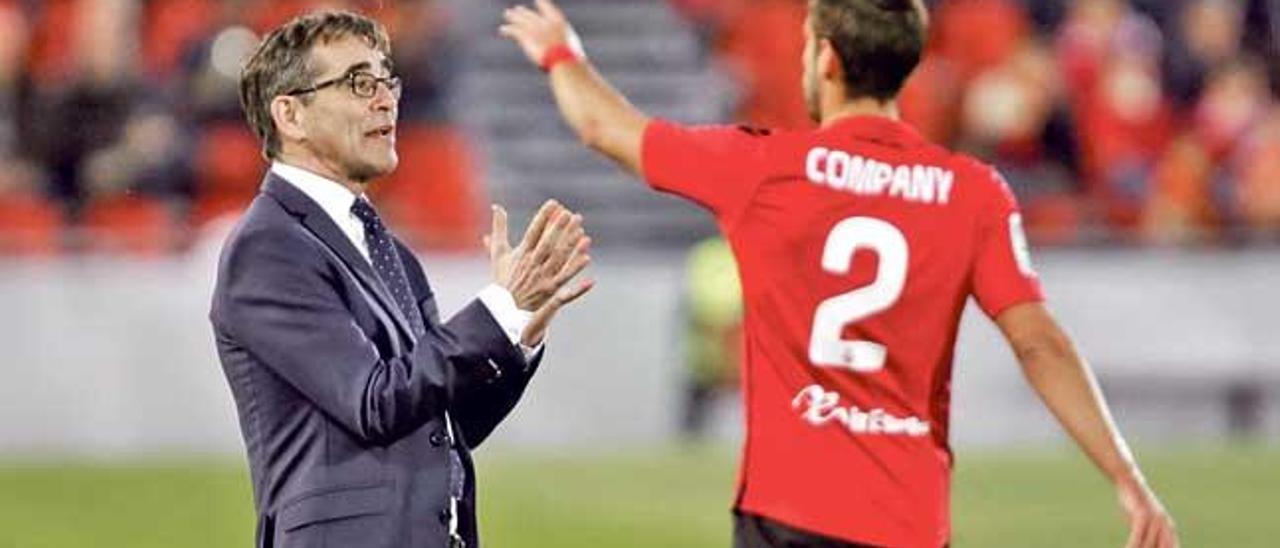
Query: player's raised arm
[601,116]
[1066,385]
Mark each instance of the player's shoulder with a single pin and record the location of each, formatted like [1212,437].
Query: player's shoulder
[983,178]
[745,139]
[973,169]
[758,132]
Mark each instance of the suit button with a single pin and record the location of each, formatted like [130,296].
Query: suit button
[444,516]
[439,438]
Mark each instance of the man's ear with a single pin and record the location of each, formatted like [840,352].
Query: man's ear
[288,114]
[828,62]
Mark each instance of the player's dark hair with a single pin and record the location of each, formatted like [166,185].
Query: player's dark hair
[282,63]
[879,42]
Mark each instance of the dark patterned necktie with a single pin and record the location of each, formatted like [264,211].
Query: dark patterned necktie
[386,263]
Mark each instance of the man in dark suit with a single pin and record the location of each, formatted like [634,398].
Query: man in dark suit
[358,406]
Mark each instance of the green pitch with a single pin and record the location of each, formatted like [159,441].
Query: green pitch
[671,498]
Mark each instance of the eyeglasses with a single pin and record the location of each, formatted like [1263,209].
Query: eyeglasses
[362,84]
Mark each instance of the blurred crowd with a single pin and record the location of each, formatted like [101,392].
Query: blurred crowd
[121,130]
[1114,121]
[1151,121]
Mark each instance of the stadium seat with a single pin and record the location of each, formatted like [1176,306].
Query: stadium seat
[229,168]
[766,60]
[209,209]
[29,225]
[128,225]
[1053,219]
[169,27]
[51,46]
[228,159]
[434,198]
[978,34]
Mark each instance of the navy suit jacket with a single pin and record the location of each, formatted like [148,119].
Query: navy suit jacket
[343,410]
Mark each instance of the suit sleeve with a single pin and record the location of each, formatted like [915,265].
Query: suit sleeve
[285,309]
[495,373]
[1002,275]
[479,407]
[717,167]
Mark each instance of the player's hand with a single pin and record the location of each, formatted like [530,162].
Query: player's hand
[552,252]
[538,29]
[1150,526]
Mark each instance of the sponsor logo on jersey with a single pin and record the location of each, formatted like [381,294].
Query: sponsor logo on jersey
[840,170]
[819,407]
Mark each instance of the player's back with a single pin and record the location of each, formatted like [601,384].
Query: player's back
[858,245]
[869,240]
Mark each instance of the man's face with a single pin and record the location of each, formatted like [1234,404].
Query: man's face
[351,135]
[810,79]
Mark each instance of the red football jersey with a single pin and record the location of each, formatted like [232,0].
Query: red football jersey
[858,245]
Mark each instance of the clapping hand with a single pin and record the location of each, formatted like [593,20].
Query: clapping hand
[539,270]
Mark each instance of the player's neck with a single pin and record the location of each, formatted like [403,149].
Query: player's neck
[865,106]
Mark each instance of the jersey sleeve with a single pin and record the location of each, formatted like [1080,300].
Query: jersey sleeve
[1003,275]
[718,167]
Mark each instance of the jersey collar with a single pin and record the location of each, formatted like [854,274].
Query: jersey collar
[877,128]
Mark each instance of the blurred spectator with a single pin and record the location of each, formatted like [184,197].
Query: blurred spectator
[1235,98]
[1181,208]
[170,26]
[28,224]
[224,156]
[976,35]
[712,337]
[1257,196]
[1140,117]
[929,100]
[1125,121]
[1014,117]
[1084,40]
[1208,35]
[424,55]
[434,195]
[764,61]
[708,17]
[19,174]
[101,132]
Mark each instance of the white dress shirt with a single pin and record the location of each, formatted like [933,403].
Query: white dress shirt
[336,200]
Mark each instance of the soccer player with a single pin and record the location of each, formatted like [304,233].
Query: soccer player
[858,244]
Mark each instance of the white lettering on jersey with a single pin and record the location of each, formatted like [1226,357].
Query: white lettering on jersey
[855,174]
[1021,253]
[819,407]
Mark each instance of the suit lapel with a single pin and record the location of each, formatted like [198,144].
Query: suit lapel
[319,223]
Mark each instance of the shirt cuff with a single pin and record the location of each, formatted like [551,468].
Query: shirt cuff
[531,352]
[502,306]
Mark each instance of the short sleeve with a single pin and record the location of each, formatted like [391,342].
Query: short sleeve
[719,167]
[1003,275]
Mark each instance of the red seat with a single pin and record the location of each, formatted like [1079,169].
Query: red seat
[214,207]
[228,159]
[29,226]
[128,224]
[169,27]
[229,169]
[434,198]
[1053,218]
[51,45]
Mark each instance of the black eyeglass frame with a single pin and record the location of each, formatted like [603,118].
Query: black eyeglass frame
[393,84]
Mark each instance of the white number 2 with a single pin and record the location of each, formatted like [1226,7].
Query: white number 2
[826,347]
